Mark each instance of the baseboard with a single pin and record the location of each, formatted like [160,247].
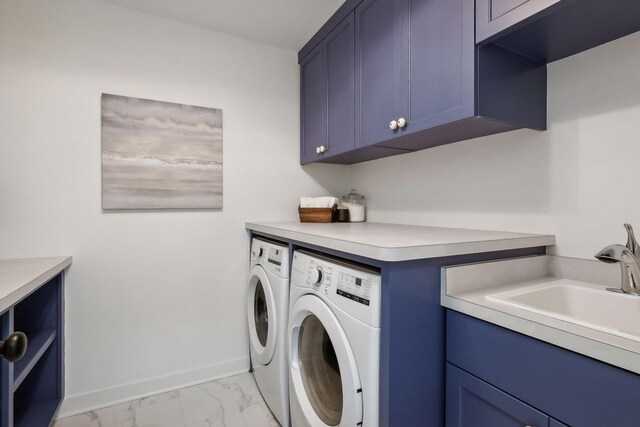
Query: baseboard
[80,403]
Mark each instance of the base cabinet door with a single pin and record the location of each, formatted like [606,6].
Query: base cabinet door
[471,402]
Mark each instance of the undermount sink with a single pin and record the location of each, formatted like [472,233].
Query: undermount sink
[580,303]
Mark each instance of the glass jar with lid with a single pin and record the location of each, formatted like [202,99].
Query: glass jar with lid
[356,204]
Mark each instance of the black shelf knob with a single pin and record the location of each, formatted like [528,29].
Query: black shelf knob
[14,347]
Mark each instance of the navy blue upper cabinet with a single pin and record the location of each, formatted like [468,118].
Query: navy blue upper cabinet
[494,16]
[471,402]
[379,70]
[420,81]
[327,81]
[340,68]
[452,90]
[313,111]
[438,63]
[548,30]
[415,67]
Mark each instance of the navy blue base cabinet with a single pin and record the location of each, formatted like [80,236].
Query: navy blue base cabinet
[472,402]
[500,378]
[412,341]
[33,387]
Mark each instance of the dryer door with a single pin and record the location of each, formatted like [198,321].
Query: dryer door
[323,370]
[262,316]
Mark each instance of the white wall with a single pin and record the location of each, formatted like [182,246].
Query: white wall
[154,299]
[579,180]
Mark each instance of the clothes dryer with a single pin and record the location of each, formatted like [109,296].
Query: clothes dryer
[267,308]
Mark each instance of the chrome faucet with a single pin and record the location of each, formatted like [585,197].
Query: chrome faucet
[627,256]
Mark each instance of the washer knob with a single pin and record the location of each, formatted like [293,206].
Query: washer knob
[260,252]
[316,276]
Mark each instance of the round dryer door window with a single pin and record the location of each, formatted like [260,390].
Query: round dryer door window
[320,371]
[262,316]
[322,366]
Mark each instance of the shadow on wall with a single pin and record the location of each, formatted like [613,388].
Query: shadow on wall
[505,172]
[600,81]
[594,99]
[336,180]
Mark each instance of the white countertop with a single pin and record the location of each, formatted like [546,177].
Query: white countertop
[20,277]
[465,289]
[395,242]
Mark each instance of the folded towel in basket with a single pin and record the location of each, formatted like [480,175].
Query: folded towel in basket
[318,202]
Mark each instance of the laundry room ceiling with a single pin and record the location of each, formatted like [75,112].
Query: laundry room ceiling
[284,23]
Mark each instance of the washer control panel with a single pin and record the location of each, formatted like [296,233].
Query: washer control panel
[354,287]
[351,287]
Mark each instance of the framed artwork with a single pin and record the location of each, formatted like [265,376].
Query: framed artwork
[160,155]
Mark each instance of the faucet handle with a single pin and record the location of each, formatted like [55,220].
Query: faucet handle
[632,243]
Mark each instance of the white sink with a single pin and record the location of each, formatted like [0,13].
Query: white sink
[580,303]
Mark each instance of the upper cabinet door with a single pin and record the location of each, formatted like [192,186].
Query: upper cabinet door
[340,71]
[470,402]
[438,63]
[313,112]
[495,16]
[379,44]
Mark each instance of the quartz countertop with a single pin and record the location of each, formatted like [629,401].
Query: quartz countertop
[468,290]
[20,277]
[397,242]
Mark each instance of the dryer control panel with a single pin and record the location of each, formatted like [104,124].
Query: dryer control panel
[271,256]
[351,287]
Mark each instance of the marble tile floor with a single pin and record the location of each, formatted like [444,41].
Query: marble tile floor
[228,402]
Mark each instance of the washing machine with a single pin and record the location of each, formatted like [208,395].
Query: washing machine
[333,342]
[267,308]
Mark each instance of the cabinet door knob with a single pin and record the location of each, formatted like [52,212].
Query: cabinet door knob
[317,150]
[323,149]
[14,347]
[393,125]
[402,122]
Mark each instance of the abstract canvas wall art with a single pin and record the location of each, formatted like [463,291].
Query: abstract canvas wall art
[160,155]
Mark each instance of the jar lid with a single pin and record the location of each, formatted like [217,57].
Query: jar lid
[353,195]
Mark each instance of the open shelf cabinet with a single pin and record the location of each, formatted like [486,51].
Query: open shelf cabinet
[33,387]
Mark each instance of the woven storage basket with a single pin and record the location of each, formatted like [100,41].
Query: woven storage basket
[318,214]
